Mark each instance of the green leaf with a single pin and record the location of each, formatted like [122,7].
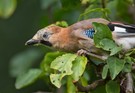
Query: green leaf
[84,80]
[105,71]
[109,45]
[112,87]
[102,31]
[131,52]
[64,63]
[112,6]
[115,50]
[93,12]
[129,59]
[22,62]
[7,7]
[79,66]
[28,78]
[49,57]
[124,14]
[127,67]
[99,89]
[70,86]
[103,39]
[115,66]
[56,79]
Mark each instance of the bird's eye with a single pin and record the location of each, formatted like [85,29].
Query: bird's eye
[45,36]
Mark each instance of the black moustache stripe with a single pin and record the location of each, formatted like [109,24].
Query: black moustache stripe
[46,43]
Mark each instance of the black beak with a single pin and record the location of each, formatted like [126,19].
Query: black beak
[32,42]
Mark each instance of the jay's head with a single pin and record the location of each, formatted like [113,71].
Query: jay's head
[43,35]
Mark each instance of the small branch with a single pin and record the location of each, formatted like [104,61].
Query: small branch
[103,58]
[129,85]
[89,87]
[99,57]
[133,67]
[103,3]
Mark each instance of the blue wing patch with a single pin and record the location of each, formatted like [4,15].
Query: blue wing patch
[89,32]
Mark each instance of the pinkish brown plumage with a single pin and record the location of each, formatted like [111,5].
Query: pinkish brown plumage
[79,36]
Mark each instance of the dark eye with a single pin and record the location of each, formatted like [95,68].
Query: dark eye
[45,36]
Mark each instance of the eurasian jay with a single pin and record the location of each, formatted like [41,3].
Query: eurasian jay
[80,35]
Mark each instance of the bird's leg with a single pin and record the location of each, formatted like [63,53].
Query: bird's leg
[85,52]
[82,52]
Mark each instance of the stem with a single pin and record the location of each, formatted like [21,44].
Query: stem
[89,87]
[103,3]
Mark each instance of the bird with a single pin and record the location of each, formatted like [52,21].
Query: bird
[80,36]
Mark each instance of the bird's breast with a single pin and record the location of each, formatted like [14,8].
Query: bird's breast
[64,41]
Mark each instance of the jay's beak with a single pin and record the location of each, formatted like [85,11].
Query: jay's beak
[32,42]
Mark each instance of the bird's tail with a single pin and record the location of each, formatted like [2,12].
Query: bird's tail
[119,27]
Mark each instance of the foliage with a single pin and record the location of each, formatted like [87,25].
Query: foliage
[112,87]
[62,24]
[63,69]
[22,62]
[31,76]
[7,8]
[60,65]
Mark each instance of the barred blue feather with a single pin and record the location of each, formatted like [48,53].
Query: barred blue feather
[89,32]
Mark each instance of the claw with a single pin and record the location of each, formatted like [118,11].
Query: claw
[81,52]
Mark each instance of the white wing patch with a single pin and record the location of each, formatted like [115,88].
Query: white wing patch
[119,29]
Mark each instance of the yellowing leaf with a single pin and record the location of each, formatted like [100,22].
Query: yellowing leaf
[56,79]
[49,57]
[64,63]
[62,23]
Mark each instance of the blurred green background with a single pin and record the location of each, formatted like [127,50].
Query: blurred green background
[20,20]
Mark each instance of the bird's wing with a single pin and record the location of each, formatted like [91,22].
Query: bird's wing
[86,24]
[124,35]
[80,34]
[119,27]
[84,29]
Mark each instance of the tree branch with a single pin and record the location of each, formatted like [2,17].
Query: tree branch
[92,55]
[88,87]
[103,58]
[129,84]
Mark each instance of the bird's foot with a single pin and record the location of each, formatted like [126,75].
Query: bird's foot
[82,52]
